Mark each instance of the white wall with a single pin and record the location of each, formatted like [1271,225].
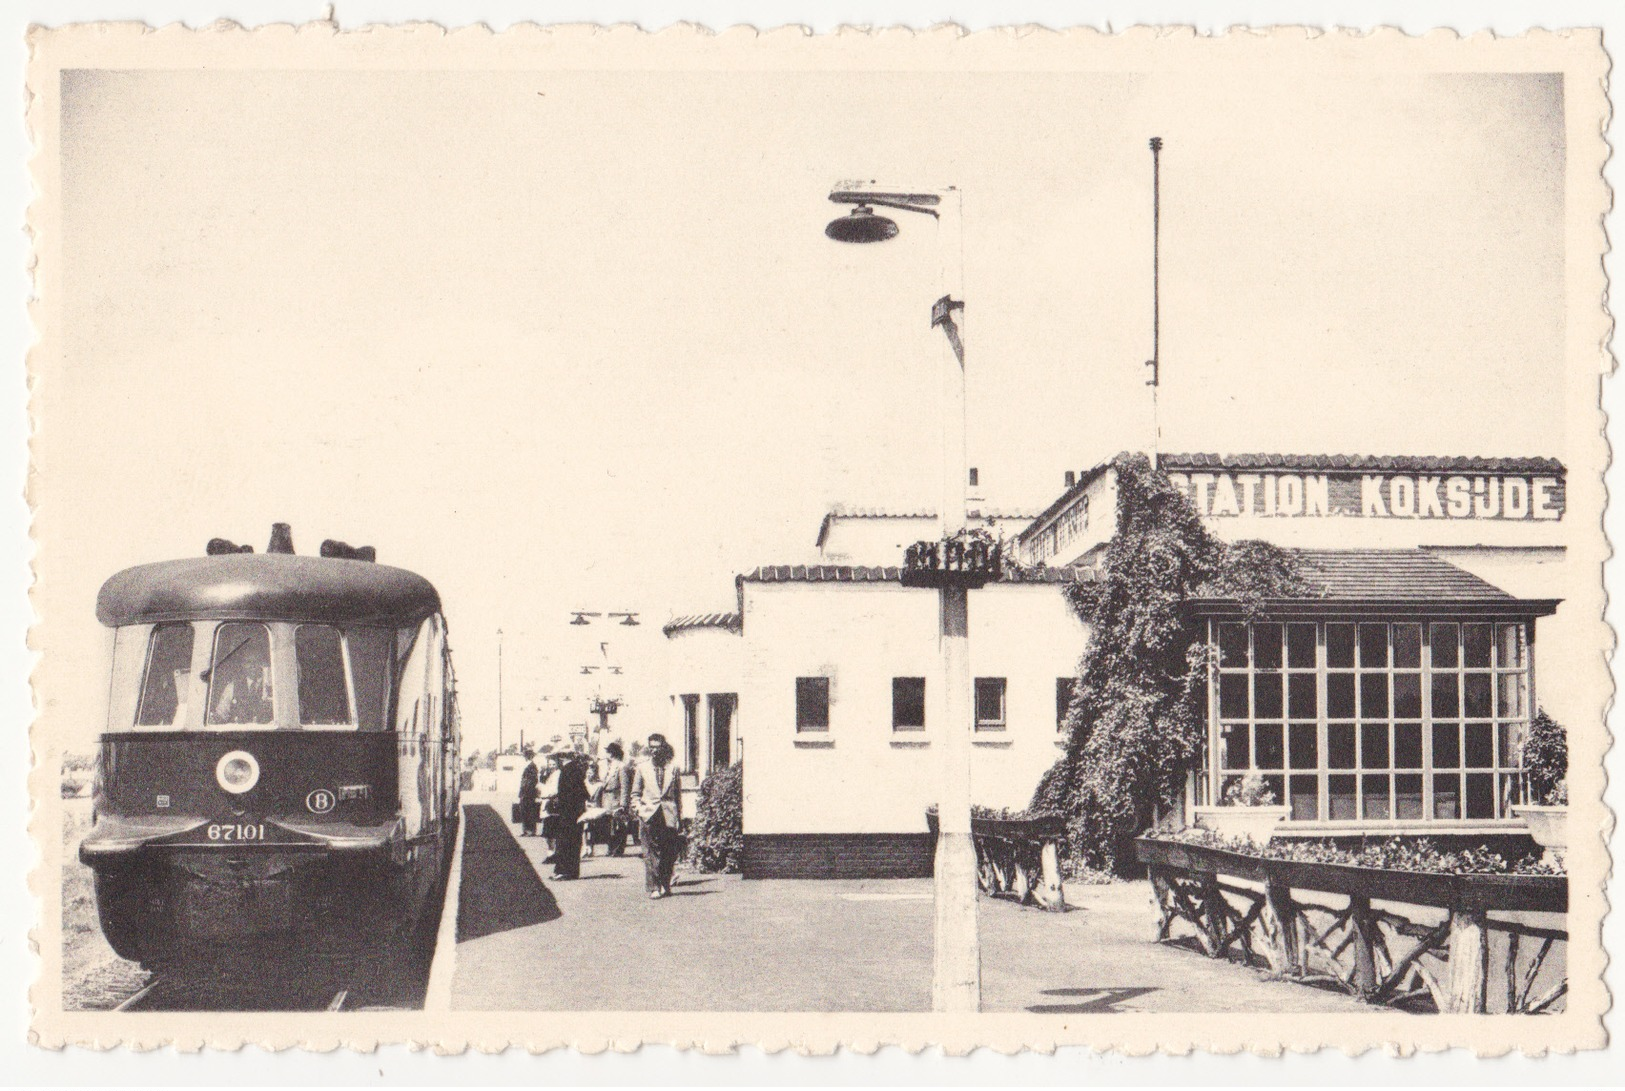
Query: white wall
[862,635]
[1076,535]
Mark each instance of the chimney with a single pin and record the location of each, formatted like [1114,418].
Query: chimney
[1071,479]
[281,539]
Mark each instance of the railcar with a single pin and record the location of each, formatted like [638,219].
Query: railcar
[279,767]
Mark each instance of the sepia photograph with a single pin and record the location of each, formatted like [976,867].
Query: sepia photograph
[996,540]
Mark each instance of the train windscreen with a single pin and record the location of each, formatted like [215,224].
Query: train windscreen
[169,663]
[240,675]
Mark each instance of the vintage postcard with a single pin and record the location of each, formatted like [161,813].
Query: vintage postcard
[584,537]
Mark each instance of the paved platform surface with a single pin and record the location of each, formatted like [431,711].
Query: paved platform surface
[723,944]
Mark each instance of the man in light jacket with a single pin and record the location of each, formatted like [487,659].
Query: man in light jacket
[657,797]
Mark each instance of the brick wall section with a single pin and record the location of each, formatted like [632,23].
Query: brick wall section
[837,856]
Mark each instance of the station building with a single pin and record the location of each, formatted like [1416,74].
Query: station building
[1389,697]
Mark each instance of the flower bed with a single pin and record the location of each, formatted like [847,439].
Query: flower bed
[1017,854]
[1376,953]
[1393,854]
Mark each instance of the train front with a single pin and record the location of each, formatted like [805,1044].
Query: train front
[249,785]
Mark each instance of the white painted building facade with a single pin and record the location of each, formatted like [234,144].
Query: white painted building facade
[837,667]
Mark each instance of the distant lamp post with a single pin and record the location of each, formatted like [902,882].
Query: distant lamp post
[956,962]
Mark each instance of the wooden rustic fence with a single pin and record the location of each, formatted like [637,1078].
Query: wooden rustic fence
[1456,958]
[1017,858]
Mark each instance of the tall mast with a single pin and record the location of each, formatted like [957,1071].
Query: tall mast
[1155,363]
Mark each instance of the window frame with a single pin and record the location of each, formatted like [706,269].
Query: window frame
[898,725]
[178,718]
[353,723]
[1066,692]
[813,682]
[991,725]
[1375,791]
[277,699]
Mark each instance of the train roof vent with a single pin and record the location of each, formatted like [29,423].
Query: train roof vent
[281,539]
[344,551]
[218,546]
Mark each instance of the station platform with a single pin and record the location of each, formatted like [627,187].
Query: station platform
[719,943]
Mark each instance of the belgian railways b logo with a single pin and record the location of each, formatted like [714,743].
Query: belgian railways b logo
[320,801]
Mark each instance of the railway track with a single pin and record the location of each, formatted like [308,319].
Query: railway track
[357,976]
[172,992]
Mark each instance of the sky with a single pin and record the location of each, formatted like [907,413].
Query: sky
[576,340]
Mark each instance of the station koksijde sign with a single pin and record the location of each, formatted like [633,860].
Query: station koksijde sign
[1383,495]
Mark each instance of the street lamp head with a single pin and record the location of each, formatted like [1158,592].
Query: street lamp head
[861,225]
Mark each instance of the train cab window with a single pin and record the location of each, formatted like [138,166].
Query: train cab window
[240,674]
[324,692]
[370,651]
[163,688]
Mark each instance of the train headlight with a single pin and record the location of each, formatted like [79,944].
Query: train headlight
[237,771]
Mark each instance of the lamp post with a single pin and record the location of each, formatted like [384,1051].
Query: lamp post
[956,956]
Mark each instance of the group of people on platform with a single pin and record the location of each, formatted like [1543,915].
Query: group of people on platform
[617,800]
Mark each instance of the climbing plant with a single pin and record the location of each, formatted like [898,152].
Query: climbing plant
[1137,718]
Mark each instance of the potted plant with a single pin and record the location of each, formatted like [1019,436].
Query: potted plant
[1248,809]
[1545,773]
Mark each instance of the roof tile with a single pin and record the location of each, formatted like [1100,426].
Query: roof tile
[729,621]
[1387,575]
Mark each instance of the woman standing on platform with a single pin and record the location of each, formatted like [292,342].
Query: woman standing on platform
[530,808]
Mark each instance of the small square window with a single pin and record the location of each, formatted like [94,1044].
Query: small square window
[1301,697]
[990,704]
[908,704]
[1232,645]
[812,704]
[1407,646]
[1267,646]
[1373,646]
[1065,690]
[1269,746]
[1267,695]
[1445,641]
[1300,646]
[1235,746]
[1340,645]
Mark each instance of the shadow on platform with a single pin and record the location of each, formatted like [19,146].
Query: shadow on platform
[1103,1000]
[499,890]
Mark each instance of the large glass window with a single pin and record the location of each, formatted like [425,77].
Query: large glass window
[1373,721]
[240,675]
[164,684]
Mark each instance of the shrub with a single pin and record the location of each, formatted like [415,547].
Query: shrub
[716,839]
[1546,759]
